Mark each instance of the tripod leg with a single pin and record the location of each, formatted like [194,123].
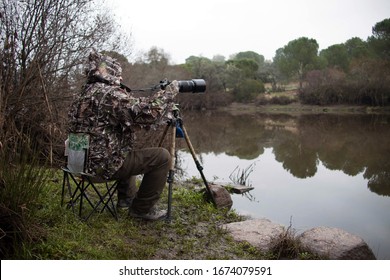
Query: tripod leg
[198,165]
[171,173]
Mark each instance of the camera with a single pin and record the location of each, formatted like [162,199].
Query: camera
[194,86]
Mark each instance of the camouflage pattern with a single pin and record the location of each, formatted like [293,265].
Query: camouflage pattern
[110,115]
[102,68]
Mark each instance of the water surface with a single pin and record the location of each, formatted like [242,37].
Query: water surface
[307,171]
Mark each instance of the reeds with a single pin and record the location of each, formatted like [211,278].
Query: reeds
[22,181]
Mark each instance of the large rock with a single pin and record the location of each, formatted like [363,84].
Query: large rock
[222,197]
[328,243]
[258,232]
[336,244]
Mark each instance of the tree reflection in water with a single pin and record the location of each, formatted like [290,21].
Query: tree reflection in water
[350,143]
[322,170]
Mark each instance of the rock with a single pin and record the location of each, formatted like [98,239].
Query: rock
[328,243]
[336,244]
[258,232]
[222,197]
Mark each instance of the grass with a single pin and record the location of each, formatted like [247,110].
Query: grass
[193,233]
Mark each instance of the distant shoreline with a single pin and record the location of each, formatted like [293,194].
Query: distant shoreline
[299,109]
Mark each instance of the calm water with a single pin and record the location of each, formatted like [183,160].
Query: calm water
[311,170]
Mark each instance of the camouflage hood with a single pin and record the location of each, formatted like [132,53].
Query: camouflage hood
[102,68]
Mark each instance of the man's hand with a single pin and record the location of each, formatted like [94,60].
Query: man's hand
[171,90]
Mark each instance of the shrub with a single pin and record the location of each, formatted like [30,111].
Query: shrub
[248,89]
[281,100]
[366,84]
[278,100]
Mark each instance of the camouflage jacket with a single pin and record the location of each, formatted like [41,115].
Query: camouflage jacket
[110,115]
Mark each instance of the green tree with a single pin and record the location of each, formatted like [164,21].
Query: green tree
[380,40]
[243,76]
[258,58]
[297,57]
[356,48]
[336,56]
[248,67]
[233,76]
[251,63]
[197,65]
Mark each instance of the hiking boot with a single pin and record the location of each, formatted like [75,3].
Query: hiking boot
[152,215]
[124,204]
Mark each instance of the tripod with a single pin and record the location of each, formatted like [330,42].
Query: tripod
[178,131]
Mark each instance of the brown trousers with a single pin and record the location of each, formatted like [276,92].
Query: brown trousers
[154,164]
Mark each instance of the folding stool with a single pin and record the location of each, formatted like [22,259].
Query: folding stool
[82,191]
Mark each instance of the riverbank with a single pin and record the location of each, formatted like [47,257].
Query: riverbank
[299,109]
[194,232]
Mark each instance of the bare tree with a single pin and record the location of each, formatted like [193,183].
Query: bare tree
[42,44]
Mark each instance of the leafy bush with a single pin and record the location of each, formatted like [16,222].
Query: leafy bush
[248,89]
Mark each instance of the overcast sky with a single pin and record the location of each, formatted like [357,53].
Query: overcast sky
[224,27]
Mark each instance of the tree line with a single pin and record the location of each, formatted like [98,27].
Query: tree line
[354,72]
[43,45]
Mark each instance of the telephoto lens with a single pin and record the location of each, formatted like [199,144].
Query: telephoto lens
[194,86]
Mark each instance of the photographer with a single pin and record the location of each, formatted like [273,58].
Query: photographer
[110,116]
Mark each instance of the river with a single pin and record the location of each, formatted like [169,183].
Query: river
[307,170]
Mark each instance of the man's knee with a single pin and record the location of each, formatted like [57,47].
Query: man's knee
[164,155]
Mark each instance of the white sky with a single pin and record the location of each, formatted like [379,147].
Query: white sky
[224,27]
